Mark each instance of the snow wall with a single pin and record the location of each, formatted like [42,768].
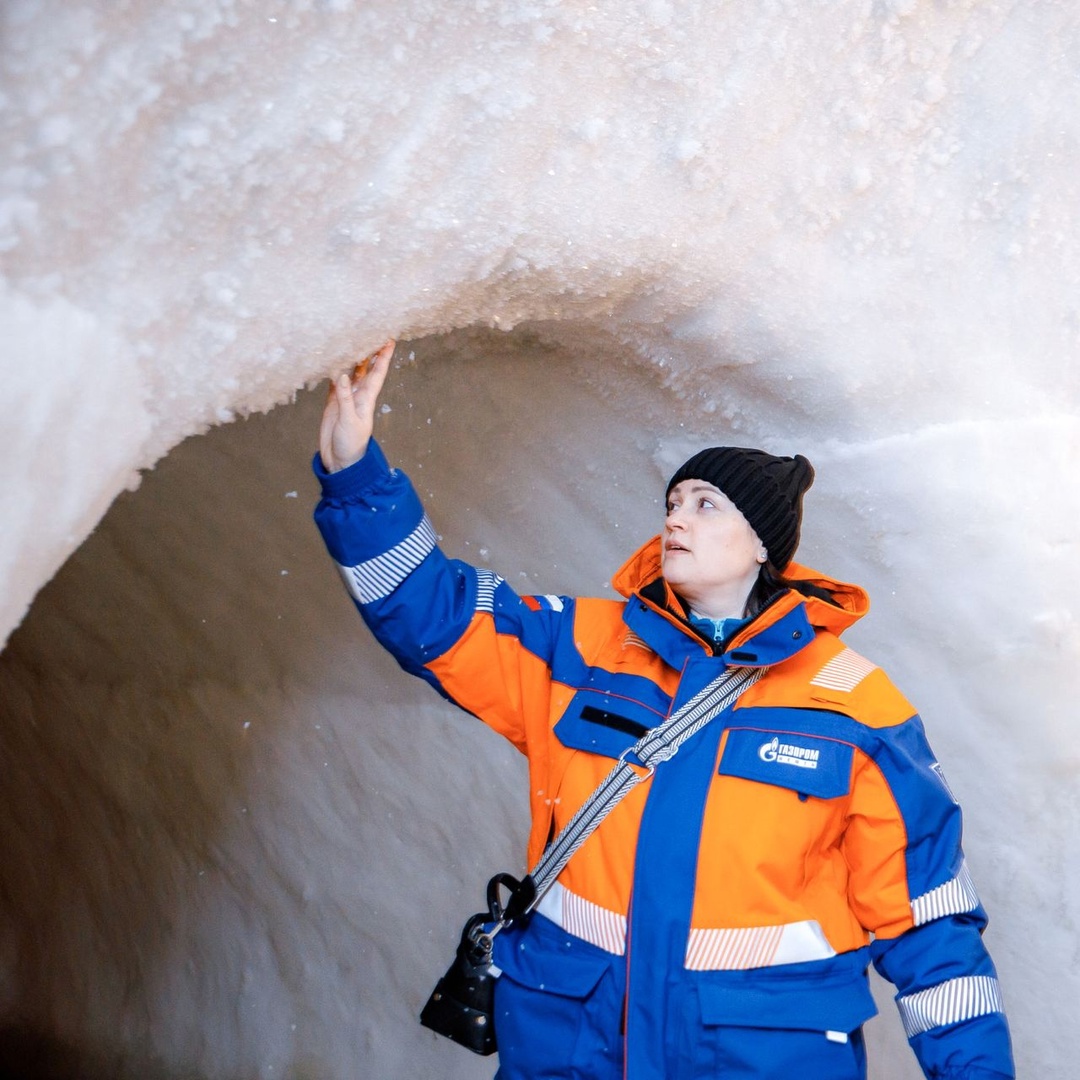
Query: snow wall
[236,841]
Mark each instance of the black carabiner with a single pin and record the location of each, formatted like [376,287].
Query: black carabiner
[522,894]
[494,900]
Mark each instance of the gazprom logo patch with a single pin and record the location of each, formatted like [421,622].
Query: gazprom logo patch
[801,762]
[789,754]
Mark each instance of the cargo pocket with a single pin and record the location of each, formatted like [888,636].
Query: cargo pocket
[790,1023]
[558,1005]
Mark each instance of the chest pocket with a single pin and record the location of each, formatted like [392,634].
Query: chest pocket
[806,764]
[601,724]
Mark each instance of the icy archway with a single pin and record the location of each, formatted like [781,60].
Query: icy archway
[843,229]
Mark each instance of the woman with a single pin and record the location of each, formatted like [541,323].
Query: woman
[720,922]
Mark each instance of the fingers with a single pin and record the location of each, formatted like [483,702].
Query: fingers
[380,359]
[367,377]
[370,374]
[341,388]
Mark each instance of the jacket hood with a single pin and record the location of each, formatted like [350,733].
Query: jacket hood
[850,602]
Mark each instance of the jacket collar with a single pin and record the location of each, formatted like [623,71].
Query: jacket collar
[782,629]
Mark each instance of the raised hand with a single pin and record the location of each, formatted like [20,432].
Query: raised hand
[349,415]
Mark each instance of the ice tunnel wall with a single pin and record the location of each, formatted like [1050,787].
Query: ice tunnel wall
[237,842]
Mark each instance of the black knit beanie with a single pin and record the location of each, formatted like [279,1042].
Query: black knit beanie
[767,490]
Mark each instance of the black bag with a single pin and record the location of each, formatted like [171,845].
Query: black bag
[462,1005]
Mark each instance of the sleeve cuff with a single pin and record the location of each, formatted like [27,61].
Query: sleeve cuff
[359,477]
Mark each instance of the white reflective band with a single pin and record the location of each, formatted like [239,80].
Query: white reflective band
[949,1003]
[486,584]
[836,1036]
[707,950]
[599,926]
[555,602]
[953,898]
[757,946]
[844,671]
[379,577]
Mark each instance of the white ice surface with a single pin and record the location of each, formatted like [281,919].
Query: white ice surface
[843,228]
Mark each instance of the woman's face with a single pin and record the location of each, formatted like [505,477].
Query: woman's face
[709,553]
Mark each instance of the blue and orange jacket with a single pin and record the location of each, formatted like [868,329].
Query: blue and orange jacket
[803,834]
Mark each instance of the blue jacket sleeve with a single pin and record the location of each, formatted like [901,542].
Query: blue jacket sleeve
[949,999]
[459,627]
[947,988]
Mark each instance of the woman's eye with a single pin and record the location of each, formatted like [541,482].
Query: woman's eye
[706,502]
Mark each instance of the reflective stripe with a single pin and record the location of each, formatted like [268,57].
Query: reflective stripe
[732,950]
[599,926]
[379,577]
[949,1003]
[953,898]
[707,950]
[756,946]
[844,671]
[486,584]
